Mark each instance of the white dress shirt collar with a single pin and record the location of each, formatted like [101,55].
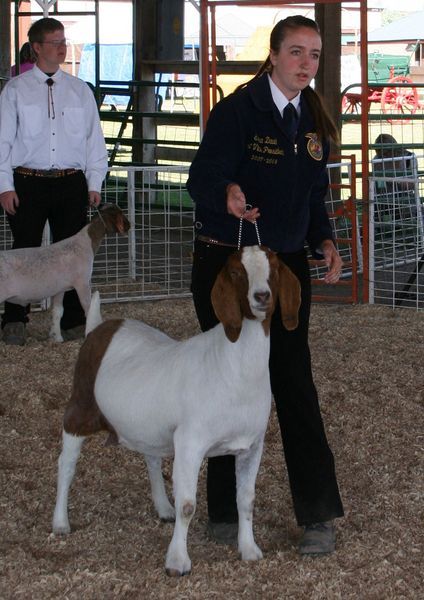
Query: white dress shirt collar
[280,99]
[41,76]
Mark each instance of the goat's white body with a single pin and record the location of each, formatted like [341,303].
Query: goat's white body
[201,397]
[168,386]
[31,274]
[204,396]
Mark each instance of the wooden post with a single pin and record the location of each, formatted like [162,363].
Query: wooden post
[328,82]
[144,97]
[5,39]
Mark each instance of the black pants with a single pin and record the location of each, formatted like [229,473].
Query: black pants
[309,460]
[61,201]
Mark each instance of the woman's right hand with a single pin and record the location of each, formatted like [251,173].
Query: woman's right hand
[236,204]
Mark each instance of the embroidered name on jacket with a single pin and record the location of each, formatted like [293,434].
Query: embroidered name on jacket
[314,146]
[265,149]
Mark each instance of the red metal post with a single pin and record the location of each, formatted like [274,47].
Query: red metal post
[213,55]
[204,65]
[365,145]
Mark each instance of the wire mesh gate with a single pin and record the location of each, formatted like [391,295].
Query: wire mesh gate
[396,216]
[341,208]
[154,260]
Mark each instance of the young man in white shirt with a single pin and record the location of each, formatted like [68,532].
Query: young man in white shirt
[53,160]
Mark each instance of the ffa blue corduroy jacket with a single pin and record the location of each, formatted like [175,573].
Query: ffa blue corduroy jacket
[245,143]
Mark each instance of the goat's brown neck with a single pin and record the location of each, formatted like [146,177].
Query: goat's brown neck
[96,231]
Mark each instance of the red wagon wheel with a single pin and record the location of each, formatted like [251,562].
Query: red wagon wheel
[351,103]
[401,100]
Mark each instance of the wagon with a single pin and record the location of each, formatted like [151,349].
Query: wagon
[398,97]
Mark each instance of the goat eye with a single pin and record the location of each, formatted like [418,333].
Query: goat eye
[234,274]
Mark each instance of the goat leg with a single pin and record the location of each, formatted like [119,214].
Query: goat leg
[247,465]
[83,290]
[186,468]
[163,507]
[57,312]
[71,448]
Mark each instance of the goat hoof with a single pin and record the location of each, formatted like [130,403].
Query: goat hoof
[177,564]
[170,519]
[167,515]
[62,530]
[166,512]
[61,527]
[176,573]
[56,338]
[252,553]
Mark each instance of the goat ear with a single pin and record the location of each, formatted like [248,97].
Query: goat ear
[289,296]
[226,305]
[120,225]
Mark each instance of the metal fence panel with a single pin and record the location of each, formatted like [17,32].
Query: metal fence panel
[341,208]
[397,240]
[154,260]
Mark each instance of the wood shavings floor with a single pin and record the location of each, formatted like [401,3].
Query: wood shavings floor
[368,364]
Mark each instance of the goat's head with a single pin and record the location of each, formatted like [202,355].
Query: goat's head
[248,287]
[113,219]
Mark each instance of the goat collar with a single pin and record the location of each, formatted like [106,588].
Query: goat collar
[100,217]
[247,208]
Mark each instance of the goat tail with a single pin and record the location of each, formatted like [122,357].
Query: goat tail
[94,317]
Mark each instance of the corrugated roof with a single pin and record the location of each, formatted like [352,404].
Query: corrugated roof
[407,29]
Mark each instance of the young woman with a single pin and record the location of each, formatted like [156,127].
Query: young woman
[26,60]
[254,153]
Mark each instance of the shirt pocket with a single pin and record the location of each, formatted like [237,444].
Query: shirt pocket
[30,120]
[73,122]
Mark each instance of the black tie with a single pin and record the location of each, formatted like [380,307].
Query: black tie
[290,118]
[50,102]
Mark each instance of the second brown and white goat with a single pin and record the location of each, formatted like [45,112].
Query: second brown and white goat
[205,396]
[31,274]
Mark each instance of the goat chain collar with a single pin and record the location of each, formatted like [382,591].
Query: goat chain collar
[99,214]
[247,207]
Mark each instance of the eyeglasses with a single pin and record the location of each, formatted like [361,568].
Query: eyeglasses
[57,43]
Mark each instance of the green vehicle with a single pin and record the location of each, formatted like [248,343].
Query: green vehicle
[383,67]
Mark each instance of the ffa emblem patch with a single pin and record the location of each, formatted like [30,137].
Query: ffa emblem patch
[314,146]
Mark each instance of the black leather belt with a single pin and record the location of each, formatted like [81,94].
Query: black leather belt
[213,241]
[46,172]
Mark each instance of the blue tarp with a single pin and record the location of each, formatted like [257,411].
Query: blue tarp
[116,64]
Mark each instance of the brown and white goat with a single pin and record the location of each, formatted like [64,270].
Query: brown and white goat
[31,274]
[205,396]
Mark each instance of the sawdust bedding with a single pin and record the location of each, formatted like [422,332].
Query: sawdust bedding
[368,364]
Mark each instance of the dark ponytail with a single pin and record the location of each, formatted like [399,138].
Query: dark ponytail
[325,126]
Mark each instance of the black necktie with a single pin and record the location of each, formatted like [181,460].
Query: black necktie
[290,118]
[50,102]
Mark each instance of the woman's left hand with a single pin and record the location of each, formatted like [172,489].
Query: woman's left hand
[332,260]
